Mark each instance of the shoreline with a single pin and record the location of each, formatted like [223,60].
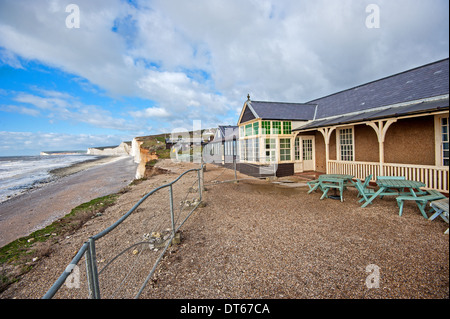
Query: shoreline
[58,173]
[81,166]
[76,184]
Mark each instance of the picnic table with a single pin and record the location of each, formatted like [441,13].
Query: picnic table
[332,181]
[395,187]
[440,207]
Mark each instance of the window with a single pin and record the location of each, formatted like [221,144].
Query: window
[270,150]
[241,131]
[265,127]
[276,127]
[242,149]
[285,149]
[297,149]
[286,127]
[255,128]
[248,130]
[228,148]
[444,148]
[307,149]
[250,149]
[346,144]
[256,148]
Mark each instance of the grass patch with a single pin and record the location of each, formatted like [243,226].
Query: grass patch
[19,256]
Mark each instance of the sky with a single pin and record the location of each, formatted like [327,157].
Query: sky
[76,74]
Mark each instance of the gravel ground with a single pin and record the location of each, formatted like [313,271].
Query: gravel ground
[255,239]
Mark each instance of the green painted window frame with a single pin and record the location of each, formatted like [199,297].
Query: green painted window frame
[276,127]
[265,127]
[248,129]
[287,127]
[256,128]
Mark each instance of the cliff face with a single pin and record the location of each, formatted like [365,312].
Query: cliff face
[123,149]
[145,149]
[145,156]
[136,150]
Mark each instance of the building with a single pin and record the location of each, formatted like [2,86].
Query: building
[397,125]
[222,149]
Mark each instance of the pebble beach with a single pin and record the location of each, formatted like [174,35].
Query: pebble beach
[261,240]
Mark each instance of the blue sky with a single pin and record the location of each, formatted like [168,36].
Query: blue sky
[137,68]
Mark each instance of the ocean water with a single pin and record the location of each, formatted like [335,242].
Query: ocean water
[19,174]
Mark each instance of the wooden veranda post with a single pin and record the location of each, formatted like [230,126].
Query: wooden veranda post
[326,132]
[381,128]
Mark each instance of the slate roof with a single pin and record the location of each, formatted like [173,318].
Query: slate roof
[227,132]
[280,111]
[414,108]
[357,104]
[422,82]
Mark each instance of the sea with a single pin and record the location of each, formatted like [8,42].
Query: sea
[20,174]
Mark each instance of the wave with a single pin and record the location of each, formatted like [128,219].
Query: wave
[20,174]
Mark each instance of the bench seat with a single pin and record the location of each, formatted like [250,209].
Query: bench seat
[420,200]
[440,207]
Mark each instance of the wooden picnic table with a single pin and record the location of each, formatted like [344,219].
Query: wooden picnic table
[441,209]
[334,181]
[396,187]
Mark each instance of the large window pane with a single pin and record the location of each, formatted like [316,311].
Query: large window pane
[285,149]
[276,127]
[346,144]
[286,127]
[265,127]
[307,150]
[270,150]
[248,130]
[445,144]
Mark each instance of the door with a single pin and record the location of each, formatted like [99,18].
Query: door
[307,151]
[304,159]
[298,164]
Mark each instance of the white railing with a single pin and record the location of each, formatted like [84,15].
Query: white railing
[434,177]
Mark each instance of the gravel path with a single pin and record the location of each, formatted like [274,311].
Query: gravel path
[256,239]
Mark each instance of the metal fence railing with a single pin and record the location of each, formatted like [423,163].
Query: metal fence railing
[88,249]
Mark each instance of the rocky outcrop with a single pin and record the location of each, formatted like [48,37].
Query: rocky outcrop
[136,150]
[145,157]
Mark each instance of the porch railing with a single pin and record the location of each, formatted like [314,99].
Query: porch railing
[434,177]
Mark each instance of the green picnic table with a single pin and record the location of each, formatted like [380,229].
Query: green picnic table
[394,187]
[440,207]
[332,181]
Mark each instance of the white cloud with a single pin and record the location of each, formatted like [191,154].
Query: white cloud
[19,109]
[9,58]
[151,112]
[60,106]
[199,59]
[35,142]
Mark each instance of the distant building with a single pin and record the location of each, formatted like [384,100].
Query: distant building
[223,147]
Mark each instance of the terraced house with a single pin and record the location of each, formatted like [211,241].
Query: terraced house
[397,125]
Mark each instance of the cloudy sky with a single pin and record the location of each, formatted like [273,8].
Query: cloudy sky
[104,71]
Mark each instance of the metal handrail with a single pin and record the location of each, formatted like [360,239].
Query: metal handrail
[88,247]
